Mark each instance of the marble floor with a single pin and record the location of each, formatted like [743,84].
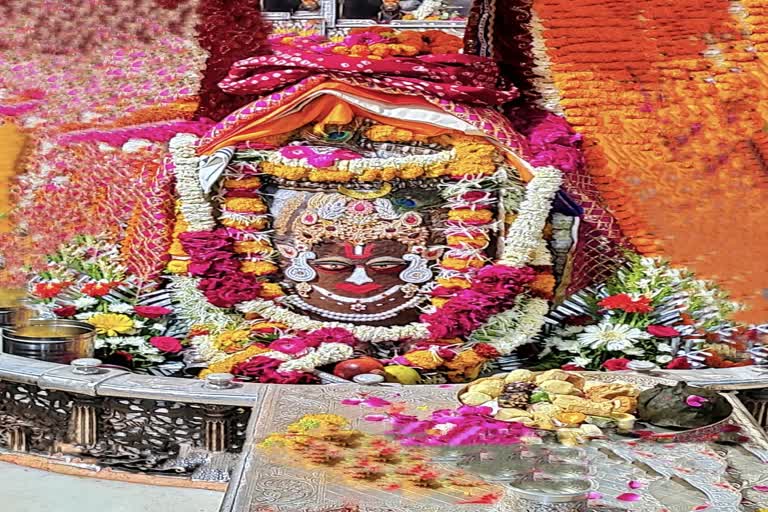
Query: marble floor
[30,490]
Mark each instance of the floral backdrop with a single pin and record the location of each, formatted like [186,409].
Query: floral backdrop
[670,110]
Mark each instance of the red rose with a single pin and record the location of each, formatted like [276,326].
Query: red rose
[662,331]
[166,344]
[126,356]
[572,368]
[329,335]
[65,311]
[616,364]
[151,311]
[679,363]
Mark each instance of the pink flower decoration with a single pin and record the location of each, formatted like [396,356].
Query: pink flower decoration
[291,346]
[629,496]
[376,417]
[696,401]
[166,344]
[594,495]
[360,207]
[634,484]
[296,152]
[329,335]
[374,401]
[351,401]
[662,331]
[760,488]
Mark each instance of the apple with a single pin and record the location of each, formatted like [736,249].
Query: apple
[351,367]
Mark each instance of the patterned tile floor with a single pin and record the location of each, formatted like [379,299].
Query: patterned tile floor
[30,490]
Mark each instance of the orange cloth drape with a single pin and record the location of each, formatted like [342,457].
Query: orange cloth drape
[11,147]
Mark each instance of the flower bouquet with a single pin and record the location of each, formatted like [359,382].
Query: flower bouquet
[648,311]
[85,281]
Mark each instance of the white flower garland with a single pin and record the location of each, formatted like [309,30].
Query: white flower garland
[366,333]
[192,305]
[195,207]
[524,234]
[513,328]
[360,165]
[327,353]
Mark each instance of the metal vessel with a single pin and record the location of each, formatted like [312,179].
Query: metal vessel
[56,341]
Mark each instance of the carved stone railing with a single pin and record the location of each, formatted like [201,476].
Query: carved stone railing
[112,418]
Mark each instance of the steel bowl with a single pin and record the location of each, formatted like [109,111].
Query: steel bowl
[56,341]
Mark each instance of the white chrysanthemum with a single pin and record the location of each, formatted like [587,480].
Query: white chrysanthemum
[581,361]
[157,327]
[664,347]
[120,307]
[663,359]
[85,316]
[611,336]
[634,351]
[138,324]
[568,345]
[85,302]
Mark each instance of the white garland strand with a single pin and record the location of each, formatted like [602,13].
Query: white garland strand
[193,306]
[515,327]
[524,234]
[365,333]
[195,207]
[327,353]
[361,165]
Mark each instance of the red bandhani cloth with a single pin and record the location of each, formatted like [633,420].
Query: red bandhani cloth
[467,79]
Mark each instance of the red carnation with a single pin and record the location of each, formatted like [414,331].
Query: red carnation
[626,303]
[570,367]
[616,364]
[65,311]
[152,311]
[166,344]
[662,331]
[679,363]
[49,290]
[98,288]
[486,351]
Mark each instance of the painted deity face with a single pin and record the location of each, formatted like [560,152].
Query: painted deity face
[352,260]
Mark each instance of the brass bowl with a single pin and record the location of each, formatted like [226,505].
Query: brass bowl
[56,341]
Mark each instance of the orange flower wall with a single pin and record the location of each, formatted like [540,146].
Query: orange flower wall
[671,97]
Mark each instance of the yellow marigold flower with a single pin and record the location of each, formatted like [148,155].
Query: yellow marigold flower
[225,365]
[267,325]
[178,266]
[438,302]
[317,421]
[471,241]
[510,218]
[466,365]
[253,246]
[231,338]
[471,215]
[245,205]
[254,224]
[271,291]
[461,264]
[322,175]
[425,359]
[543,284]
[177,249]
[284,171]
[243,183]
[453,282]
[411,172]
[111,324]
[259,268]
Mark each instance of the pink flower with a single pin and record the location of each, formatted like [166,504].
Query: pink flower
[151,311]
[616,364]
[572,368]
[329,335]
[662,331]
[296,152]
[501,280]
[289,345]
[696,401]
[199,243]
[634,484]
[629,496]
[225,263]
[166,344]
